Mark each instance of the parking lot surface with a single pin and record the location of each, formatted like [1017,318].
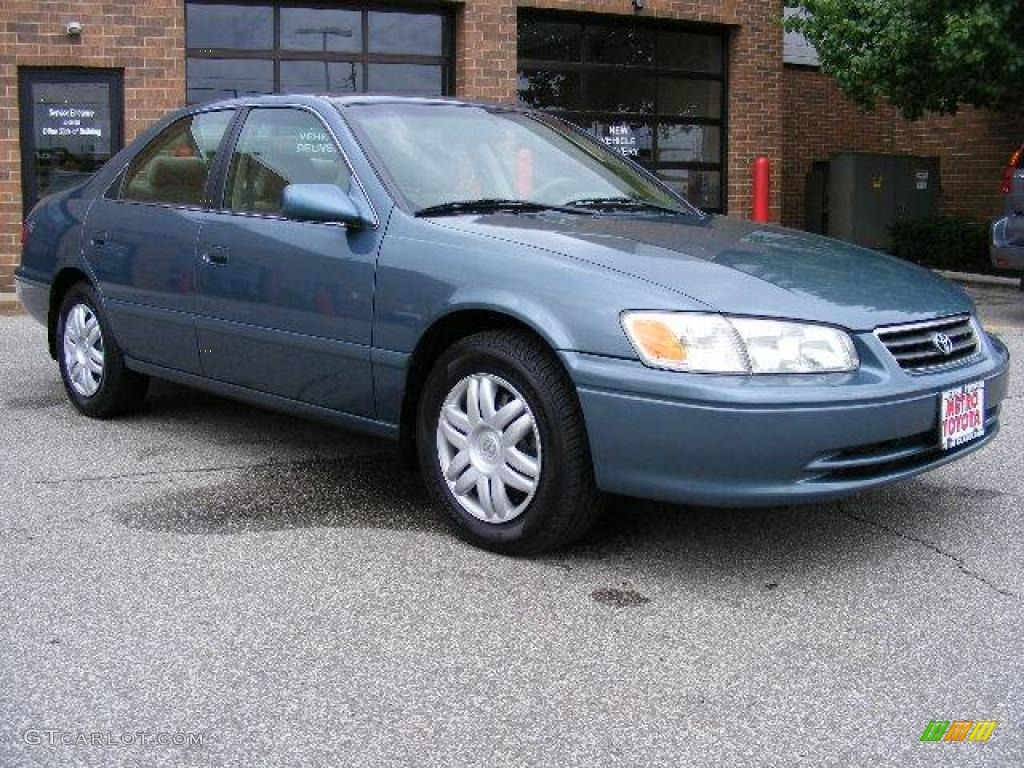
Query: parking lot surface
[281,592]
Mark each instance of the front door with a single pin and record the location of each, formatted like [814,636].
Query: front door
[285,307]
[71,124]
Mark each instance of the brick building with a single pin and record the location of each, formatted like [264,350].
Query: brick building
[693,90]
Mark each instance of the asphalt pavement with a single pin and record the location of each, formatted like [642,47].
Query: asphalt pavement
[208,584]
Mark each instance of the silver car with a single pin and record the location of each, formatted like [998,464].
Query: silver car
[1008,232]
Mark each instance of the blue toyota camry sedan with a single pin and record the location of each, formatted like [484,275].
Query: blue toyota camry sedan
[536,318]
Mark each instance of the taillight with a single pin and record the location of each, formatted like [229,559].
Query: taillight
[1015,159]
[24,232]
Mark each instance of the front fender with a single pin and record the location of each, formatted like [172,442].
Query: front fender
[426,272]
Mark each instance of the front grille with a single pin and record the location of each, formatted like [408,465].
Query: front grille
[915,346]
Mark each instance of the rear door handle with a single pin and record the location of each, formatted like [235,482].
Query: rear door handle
[100,239]
[216,255]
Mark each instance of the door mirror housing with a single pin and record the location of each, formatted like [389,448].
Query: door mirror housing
[324,203]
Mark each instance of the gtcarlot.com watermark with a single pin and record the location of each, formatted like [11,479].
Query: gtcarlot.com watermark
[59,737]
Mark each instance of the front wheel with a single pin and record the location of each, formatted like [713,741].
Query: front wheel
[91,363]
[503,447]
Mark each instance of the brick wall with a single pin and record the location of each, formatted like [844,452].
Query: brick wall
[973,146]
[486,68]
[146,40]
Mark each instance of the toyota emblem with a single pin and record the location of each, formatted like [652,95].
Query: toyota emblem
[943,343]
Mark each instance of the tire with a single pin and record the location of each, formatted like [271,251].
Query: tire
[111,390]
[507,366]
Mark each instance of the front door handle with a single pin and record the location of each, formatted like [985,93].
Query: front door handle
[216,255]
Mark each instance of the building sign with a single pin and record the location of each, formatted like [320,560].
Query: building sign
[620,136]
[72,123]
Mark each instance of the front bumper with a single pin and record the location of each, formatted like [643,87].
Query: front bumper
[756,441]
[1006,251]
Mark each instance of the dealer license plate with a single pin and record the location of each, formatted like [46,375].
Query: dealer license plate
[962,414]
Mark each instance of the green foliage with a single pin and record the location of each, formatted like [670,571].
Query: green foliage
[943,242]
[921,55]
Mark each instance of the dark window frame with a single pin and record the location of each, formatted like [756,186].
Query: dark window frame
[446,60]
[29,75]
[655,118]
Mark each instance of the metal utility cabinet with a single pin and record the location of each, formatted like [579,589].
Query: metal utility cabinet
[868,193]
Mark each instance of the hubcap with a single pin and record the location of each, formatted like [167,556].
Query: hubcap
[489,448]
[83,350]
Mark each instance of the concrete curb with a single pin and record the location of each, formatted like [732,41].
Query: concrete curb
[972,277]
[9,304]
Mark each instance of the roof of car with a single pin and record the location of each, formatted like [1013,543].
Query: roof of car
[346,101]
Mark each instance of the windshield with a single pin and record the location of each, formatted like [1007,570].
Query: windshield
[437,154]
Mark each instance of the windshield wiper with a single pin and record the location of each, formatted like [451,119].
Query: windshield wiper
[488,205]
[619,204]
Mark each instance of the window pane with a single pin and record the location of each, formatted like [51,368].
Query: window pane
[690,98]
[685,50]
[207,131]
[549,40]
[248,27]
[690,143]
[319,29]
[615,44]
[422,79]
[278,147]
[407,33]
[632,139]
[620,92]
[544,89]
[174,166]
[72,128]
[702,188]
[211,79]
[321,77]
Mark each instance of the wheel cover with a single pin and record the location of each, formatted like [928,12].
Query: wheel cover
[83,350]
[489,448]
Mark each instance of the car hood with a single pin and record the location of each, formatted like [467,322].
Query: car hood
[738,267]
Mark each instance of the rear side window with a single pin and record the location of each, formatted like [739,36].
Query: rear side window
[173,168]
[278,147]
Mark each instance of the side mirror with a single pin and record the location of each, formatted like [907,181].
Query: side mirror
[321,202]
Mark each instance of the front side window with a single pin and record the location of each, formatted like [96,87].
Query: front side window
[173,167]
[278,147]
[438,154]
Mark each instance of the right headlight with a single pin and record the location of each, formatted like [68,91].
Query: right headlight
[712,343]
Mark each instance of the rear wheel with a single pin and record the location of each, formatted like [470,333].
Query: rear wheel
[91,363]
[502,445]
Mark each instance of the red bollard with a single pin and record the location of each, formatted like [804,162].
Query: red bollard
[524,172]
[762,190]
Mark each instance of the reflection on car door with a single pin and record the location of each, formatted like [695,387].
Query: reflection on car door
[140,241]
[285,307]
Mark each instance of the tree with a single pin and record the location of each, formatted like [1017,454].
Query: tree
[920,55]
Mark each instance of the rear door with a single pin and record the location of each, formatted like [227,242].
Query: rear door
[140,240]
[285,307]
